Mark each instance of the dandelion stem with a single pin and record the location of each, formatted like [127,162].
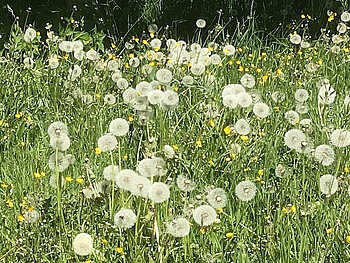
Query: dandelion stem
[111,208]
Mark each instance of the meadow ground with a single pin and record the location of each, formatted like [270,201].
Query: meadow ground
[224,149]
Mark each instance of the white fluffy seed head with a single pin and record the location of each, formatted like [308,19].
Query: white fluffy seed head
[261,110]
[245,190]
[125,218]
[83,244]
[107,142]
[159,192]
[204,215]
[119,127]
[178,227]
[242,127]
[328,184]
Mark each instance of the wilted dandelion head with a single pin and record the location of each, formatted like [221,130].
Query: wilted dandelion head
[179,227]
[164,75]
[168,151]
[83,244]
[340,138]
[294,138]
[107,142]
[326,93]
[261,110]
[301,95]
[187,80]
[31,216]
[245,190]
[235,148]
[57,128]
[124,179]
[184,183]
[292,117]
[204,215]
[244,99]
[62,162]
[278,96]
[110,172]
[302,108]
[248,80]
[159,192]
[217,198]
[281,171]
[109,99]
[119,127]
[324,154]
[328,184]
[242,127]
[125,218]
[140,186]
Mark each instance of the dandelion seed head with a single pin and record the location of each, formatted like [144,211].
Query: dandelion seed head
[164,76]
[301,95]
[248,80]
[110,172]
[140,186]
[204,215]
[159,192]
[179,227]
[155,97]
[324,154]
[261,110]
[244,99]
[242,127]
[125,218]
[281,171]
[83,244]
[107,142]
[328,184]
[217,198]
[124,179]
[245,190]
[340,138]
[119,127]
[294,138]
[110,99]
[184,183]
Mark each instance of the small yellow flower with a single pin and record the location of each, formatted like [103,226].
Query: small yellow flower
[145,42]
[131,55]
[22,143]
[23,205]
[229,234]
[20,218]
[175,147]
[238,62]
[302,16]
[211,163]
[4,185]
[227,130]
[230,62]
[37,175]
[79,180]
[31,208]
[329,230]
[261,171]
[220,210]
[176,88]
[68,178]
[276,108]
[320,62]
[125,157]
[9,203]
[119,250]
[258,70]
[330,18]
[346,169]
[88,261]
[202,231]
[211,123]
[279,71]
[151,34]
[285,210]
[104,241]
[293,209]
[98,150]
[42,173]
[347,239]
[114,45]
[227,159]
[17,115]
[244,138]
[199,143]
[97,95]
[131,118]
[240,68]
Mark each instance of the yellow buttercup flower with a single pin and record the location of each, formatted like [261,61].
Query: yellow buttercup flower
[229,234]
